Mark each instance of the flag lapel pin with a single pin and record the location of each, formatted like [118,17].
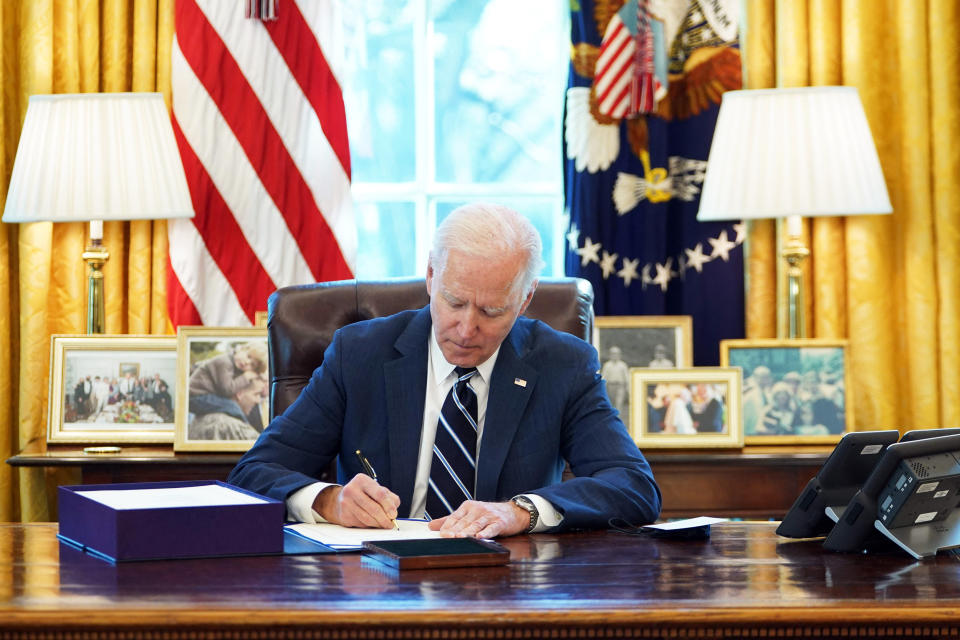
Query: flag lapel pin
[520,382]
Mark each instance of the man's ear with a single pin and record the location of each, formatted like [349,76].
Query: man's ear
[526,302]
[429,277]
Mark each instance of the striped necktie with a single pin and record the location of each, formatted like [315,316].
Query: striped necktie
[454,465]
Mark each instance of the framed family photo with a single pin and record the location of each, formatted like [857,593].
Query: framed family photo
[625,342]
[794,391]
[686,408]
[222,388]
[111,389]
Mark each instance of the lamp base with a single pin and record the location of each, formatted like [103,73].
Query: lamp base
[96,255]
[794,252]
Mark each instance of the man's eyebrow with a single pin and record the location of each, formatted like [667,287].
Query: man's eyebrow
[449,297]
[494,310]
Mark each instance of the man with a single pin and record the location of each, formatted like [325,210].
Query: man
[756,397]
[80,399]
[660,359]
[384,384]
[232,421]
[616,373]
[127,383]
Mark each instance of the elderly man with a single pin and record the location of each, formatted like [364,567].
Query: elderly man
[466,411]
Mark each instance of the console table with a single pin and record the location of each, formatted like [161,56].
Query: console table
[756,482]
[744,582]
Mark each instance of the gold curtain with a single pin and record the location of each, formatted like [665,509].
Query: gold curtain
[890,284]
[69,46]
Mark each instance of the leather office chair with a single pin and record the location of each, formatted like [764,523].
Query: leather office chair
[301,320]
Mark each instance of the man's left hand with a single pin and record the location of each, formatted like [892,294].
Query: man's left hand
[474,519]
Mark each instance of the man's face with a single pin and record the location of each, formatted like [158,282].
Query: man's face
[473,305]
[251,395]
[764,378]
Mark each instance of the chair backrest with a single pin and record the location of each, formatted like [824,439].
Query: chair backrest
[301,320]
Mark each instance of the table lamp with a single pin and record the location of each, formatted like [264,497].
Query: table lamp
[95,157]
[788,153]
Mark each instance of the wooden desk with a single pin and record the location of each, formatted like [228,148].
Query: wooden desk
[744,582]
[758,482]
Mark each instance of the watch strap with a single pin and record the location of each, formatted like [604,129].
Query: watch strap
[527,504]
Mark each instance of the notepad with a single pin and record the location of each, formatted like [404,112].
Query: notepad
[351,539]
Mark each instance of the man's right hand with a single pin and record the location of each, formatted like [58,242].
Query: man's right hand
[359,503]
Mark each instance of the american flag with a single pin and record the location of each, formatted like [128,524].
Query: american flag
[259,118]
[625,81]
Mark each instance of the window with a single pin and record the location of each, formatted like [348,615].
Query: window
[450,102]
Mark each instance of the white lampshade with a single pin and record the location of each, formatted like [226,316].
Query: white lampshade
[792,152]
[97,156]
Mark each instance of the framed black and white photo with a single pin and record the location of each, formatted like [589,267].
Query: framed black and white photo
[625,342]
[111,389]
[794,391]
[222,388]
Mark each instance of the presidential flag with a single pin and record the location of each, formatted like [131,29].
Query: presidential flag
[634,170]
[259,119]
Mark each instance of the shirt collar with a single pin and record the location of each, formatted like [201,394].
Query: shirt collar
[442,369]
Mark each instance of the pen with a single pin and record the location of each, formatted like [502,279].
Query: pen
[368,469]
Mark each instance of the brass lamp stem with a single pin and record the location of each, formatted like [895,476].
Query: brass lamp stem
[794,252]
[96,256]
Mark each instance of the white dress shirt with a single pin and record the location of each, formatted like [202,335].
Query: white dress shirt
[440,379]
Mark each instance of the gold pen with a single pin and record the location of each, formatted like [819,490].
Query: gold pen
[368,469]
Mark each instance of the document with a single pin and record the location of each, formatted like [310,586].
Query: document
[206,495]
[350,539]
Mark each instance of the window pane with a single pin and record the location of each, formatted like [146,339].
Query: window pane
[544,213]
[378,86]
[386,240]
[500,69]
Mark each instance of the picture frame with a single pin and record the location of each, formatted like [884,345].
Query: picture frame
[91,399]
[809,379]
[636,340]
[222,388]
[691,407]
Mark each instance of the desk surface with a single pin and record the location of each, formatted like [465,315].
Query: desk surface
[743,581]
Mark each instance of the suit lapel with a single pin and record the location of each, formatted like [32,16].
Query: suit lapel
[405,378]
[511,386]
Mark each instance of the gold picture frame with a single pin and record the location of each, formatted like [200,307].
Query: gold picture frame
[801,396]
[260,318]
[222,388]
[636,340]
[92,400]
[695,407]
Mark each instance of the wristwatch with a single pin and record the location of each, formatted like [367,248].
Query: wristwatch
[527,504]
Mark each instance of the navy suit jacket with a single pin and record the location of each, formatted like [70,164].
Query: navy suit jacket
[547,403]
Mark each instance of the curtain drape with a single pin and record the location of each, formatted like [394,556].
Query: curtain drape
[69,46]
[889,284]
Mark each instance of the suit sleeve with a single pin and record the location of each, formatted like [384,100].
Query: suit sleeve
[302,442]
[612,478]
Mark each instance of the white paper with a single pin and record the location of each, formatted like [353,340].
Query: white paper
[338,537]
[205,495]
[689,523]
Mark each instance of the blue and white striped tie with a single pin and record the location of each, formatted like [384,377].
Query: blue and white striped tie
[454,465]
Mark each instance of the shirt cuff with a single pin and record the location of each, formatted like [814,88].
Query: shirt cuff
[300,503]
[549,516]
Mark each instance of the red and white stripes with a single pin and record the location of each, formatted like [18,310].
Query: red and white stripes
[259,119]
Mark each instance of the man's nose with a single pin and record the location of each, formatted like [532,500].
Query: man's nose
[467,326]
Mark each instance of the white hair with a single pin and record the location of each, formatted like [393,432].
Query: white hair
[489,231]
